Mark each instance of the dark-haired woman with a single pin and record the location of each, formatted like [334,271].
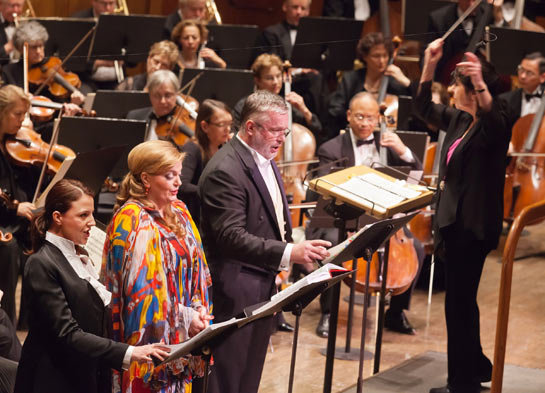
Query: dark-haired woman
[469,211]
[374,51]
[64,350]
[213,127]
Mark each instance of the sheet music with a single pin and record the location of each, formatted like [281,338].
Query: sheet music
[373,188]
[95,247]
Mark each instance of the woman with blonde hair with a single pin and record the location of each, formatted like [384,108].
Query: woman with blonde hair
[154,264]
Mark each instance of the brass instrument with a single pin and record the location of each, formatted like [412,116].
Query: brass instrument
[212,12]
[122,7]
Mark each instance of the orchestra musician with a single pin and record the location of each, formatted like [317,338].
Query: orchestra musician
[8,9]
[155,267]
[36,36]
[267,70]
[526,99]
[361,145]
[190,36]
[187,9]
[212,130]
[65,350]
[101,74]
[162,55]
[374,50]
[19,183]
[246,229]
[469,205]
[162,88]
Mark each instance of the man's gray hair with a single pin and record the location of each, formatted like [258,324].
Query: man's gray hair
[29,32]
[260,102]
[162,76]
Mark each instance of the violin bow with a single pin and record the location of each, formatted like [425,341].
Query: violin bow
[68,56]
[53,142]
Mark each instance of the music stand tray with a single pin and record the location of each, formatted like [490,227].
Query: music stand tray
[117,104]
[233,43]
[332,186]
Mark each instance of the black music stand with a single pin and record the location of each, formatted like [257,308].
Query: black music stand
[235,84]
[126,37]
[117,104]
[84,134]
[64,35]
[519,42]
[233,43]
[327,44]
[415,18]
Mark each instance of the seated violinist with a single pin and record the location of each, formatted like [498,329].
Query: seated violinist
[361,146]
[162,56]
[374,51]
[18,183]
[162,88]
[267,70]
[35,35]
[191,36]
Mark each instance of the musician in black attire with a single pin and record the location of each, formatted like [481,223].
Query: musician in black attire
[355,9]
[18,182]
[526,99]
[374,50]
[187,9]
[98,7]
[8,8]
[469,204]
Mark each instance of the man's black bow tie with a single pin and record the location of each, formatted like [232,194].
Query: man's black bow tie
[360,142]
[528,97]
[291,27]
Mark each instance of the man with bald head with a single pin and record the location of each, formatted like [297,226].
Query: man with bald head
[187,9]
[360,145]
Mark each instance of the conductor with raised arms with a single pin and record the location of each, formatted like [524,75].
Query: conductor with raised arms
[246,229]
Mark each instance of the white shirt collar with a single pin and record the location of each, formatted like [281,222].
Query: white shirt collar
[84,270]
[258,158]
[353,136]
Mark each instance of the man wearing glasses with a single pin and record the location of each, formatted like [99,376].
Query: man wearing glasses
[246,230]
[526,99]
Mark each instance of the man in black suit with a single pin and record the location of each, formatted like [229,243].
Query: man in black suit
[187,9]
[526,99]
[355,9]
[98,7]
[360,146]
[8,9]
[246,228]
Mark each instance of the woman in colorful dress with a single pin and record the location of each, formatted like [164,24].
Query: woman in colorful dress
[154,265]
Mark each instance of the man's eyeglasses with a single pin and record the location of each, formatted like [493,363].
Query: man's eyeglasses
[522,70]
[286,131]
[367,118]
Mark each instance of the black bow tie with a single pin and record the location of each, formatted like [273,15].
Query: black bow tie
[291,27]
[528,97]
[360,142]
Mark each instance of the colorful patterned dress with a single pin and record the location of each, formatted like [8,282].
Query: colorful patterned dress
[155,278]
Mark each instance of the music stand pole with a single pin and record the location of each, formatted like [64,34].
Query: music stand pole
[349,322]
[298,308]
[367,255]
[206,354]
[382,303]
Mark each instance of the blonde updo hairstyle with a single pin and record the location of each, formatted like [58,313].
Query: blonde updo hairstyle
[154,158]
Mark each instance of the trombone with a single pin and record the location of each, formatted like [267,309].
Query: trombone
[212,12]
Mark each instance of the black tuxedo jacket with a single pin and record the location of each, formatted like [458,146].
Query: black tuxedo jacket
[238,219]
[472,196]
[87,13]
[275,39]
[345,8]
[191,173]
[513,105]
[171,22]
[64,350]
[4,57]
[140,114]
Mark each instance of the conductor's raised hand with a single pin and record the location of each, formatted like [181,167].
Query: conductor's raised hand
[472,67]
[310,251]
[143,353]
[433,52]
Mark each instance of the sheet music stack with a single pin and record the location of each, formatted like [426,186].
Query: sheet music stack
[377,194]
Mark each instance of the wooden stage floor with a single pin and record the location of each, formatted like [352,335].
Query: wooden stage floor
[526,346]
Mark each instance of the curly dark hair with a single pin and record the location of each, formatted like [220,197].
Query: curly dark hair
[370,40]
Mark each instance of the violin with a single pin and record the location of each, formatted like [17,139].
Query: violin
[26,148]
[179,126]
[42,109]
[61,85]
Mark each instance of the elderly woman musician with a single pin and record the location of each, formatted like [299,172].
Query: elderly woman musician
[374,51]
[154,265]
[64,350]
[469,210]
[211,131]
[191,36]
[268,75]
[163,55]
[36,36]
[17,184]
